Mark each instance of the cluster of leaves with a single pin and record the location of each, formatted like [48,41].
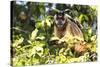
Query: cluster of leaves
[35,47]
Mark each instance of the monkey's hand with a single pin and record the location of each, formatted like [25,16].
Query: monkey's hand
[54,40]
[61,41]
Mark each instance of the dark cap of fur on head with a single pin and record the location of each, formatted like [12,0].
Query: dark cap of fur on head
[60,13]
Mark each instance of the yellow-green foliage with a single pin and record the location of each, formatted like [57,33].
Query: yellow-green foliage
[35,47]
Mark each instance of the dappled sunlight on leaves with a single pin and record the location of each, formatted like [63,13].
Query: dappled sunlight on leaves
[36,46]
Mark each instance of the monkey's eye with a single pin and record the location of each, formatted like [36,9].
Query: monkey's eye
[60,18]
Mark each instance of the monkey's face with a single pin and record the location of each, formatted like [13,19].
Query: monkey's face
[59,19]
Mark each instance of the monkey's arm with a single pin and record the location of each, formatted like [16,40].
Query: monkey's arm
[73,31]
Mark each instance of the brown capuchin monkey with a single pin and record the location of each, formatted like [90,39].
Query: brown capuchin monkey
[66,28]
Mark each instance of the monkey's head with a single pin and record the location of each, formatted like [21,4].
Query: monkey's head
[60,19]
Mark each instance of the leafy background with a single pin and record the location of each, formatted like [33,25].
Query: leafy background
[32,28]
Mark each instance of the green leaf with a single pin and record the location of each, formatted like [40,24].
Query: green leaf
[32,52]
[86,36]
[34,34]
[93,38]
[62,58]
[89,32]
[39,50]
[83,18]
[17,42]
[40,38]
[38,25]
[36,50]
[46,23]
[46,51]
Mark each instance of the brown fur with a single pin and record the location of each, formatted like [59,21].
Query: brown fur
[70,29]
